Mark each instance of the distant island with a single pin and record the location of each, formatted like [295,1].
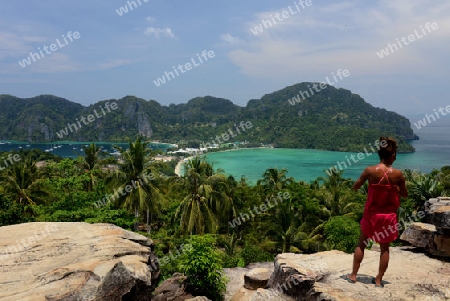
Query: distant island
[295,117]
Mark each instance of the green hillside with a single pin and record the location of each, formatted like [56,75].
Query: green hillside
[332,119]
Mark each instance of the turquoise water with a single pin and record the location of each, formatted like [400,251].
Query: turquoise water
[432,152]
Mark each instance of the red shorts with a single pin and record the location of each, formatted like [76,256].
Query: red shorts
[380,227]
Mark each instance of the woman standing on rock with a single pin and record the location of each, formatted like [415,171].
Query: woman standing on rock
[379,222]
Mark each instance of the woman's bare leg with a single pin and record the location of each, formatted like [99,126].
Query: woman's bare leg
[358,255]
[384,262]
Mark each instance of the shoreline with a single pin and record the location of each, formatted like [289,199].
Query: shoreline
[181,161]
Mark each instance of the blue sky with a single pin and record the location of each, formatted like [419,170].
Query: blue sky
[117,55]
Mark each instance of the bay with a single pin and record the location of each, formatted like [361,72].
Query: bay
[432,152]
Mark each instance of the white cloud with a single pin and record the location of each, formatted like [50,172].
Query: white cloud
[157,32]
[230,39]
[150,19]
[13,45]
[56,62]
[322,39]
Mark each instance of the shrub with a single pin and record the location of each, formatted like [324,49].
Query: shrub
[230,261]
[342,233]
[251,253]
[203,267]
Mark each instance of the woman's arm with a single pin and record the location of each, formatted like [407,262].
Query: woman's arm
[362,178]
[402,186]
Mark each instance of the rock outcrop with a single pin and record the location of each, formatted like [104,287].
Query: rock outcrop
[418,234]
[319,276]
[257,278]
[75,262]
[438,213]
[173,289]
[237,292]
[434,234]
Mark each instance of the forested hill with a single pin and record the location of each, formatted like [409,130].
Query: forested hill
[332,119]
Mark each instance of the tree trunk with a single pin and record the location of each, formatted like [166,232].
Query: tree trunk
[148,224]
[136,214]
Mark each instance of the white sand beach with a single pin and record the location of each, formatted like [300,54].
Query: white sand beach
[180,164]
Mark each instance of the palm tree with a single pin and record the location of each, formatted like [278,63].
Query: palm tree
[422,187]
[133,174]
[284,223]
[335,193]
[23,182]
[274,181]
[309,243]
[207,201]
[91,162]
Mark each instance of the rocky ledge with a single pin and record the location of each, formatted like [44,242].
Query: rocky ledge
[75,262]
[434,234]
[410,276]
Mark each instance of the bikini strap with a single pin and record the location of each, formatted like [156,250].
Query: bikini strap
[384,176]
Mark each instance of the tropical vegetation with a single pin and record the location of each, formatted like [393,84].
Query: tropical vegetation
[197,208]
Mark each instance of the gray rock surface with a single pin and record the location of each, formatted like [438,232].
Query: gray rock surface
[257,278]
[237,292]
[438,213]
[173,289]
[314,277]
[434,234]
[418,234]
[74,261]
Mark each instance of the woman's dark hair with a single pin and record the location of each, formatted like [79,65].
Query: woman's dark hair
[387,148]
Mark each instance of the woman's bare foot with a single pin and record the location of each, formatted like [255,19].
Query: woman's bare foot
[378,282]
[350,278]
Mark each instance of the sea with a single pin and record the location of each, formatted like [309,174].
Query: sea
[432,152]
